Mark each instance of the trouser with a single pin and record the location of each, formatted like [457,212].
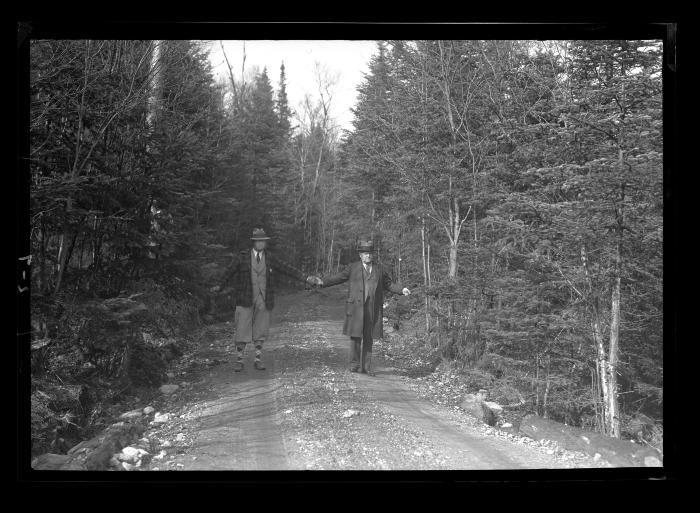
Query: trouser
[252,325]
[363,344]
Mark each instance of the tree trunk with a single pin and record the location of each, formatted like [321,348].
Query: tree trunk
[475,281]
[602,366]
[42,263]
[453,233]
[62,247]
[330,252]
[71,247]
[430,281]
[453,261]
[82,252]
[613,406]
[124,374]
[499,306]
[595,393]
[318,164]
[155,85]
[399,269]
[153,108]
[94,242]
[299,199]
[537,385]
[601,360]
[425,277]
[546,390]
[614,418]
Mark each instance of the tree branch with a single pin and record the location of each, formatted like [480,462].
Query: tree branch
[592,125]
[465,218]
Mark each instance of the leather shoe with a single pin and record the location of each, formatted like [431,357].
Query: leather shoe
[259,365]
[238,366]
[367,371]
[355,368]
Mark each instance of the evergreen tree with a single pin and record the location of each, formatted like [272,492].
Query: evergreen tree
[283,111]
[554,150]
[372,136]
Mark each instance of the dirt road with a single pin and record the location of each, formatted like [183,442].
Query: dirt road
[306,411]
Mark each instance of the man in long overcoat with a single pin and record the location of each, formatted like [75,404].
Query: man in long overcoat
[252,272]
[364,305]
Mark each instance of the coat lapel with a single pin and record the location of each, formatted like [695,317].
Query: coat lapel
[373,278]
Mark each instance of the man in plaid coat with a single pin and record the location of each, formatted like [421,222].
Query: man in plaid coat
[252,272]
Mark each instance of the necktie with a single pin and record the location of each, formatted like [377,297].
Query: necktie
[257,254]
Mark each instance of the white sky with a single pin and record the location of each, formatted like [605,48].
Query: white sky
[348,59]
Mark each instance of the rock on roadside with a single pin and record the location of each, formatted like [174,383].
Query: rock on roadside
[617,452]
[160,418]
[131,415]
[488,412]
[93,454]
[130,458]
[50,461]
[169,389]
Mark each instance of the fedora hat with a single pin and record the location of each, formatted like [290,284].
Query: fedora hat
[259,234]
[365,246]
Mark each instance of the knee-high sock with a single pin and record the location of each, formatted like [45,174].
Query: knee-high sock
[258,351]
[355,350]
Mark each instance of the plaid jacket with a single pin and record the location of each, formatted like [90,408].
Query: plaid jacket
[239,273]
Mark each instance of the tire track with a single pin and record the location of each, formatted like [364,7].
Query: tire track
[240,426]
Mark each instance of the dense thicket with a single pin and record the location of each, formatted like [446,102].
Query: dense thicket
[146,174]
[521,183]
[514,185]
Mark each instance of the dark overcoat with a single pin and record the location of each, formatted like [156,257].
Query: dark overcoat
[354,311]
[240,275]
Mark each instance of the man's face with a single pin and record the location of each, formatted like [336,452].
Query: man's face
[366,257]
[259,245]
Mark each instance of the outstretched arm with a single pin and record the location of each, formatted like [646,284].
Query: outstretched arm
[289,270]
[293,272]
[335,279]
[230,272]
[393,287]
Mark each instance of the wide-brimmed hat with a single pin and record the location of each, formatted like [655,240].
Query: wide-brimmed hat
[259,234]
[365,246]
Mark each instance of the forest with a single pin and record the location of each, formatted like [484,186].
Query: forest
[516,186]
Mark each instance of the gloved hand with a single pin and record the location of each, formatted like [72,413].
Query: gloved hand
[314,280]
[405,291]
